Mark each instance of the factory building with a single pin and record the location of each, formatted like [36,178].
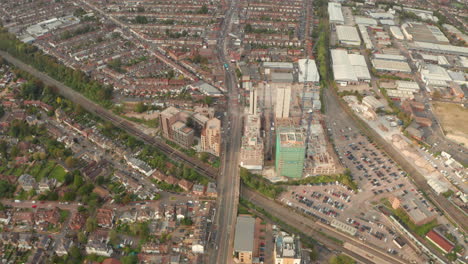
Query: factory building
[308,71]
[349,68]
[348,35]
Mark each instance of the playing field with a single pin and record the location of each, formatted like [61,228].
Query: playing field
[454,121]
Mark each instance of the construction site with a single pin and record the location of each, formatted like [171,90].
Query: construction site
[284,119]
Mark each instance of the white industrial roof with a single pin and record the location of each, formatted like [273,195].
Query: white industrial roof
[278,65]
[434,72]
[381,15]
[388,22]
[387,65]
[365,21]
[347,34]
[335,13]
[309,66]
[349,67]
[391,57]
[449,49]
[406,85]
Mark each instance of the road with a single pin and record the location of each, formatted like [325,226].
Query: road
[229,181]
[318,230]
[346,116]
[119,122]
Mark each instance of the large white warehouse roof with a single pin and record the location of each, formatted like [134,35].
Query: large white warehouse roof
[335,13]
[308,71]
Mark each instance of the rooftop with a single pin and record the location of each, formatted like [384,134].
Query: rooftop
[244,238]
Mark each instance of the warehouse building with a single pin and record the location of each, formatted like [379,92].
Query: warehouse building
[308,71]
[244,239]
[335,13]
[348,35]
[434,74]
[390,57]
[365,37]
[349,68]
[391,66]
[438,48]
[365,21]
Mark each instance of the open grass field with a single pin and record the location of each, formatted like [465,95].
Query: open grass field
[454,121]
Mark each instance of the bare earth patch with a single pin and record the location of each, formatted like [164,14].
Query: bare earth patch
[454,121]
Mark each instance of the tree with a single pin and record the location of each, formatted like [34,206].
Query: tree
[6,189]
[113,237]
[141,20]
[248,28]
[77,180]
[2,111]
[70,162]
[91,224]
[132,259]
[341,259]
[140,107]
[203,10]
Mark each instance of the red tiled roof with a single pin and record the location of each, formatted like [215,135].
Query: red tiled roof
[111,261]
[440,241]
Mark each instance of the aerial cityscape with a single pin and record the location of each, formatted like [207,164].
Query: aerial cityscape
[233,131]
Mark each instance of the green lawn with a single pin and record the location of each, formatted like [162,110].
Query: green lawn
[34,170]
[45,171]
[58,173]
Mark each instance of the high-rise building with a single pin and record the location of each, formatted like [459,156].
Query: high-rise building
[251,155]
[287,249]
[211,137]
[283,98]
[182,134]
[253,102]
[167,118]
[290,152]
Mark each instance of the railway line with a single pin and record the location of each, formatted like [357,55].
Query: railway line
[117,121]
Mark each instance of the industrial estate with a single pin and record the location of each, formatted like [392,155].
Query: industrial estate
[240,131]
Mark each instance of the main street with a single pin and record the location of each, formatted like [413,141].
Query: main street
[228,182]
